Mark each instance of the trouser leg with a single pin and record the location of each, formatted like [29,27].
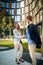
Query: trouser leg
[32,53]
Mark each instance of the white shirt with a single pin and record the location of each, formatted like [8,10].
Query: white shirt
[17,35]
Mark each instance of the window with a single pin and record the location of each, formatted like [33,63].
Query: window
[7,5]
[33,4]
[39,4]
[12,11]
[22,10]
[31,13]
[18,5]
[23,17]
[30,7]
[12,17]
[22,4]
[41,15]
[27,2]
[26,9]
[17,18]
[26,14]
[13,5]
[35,11]
[7,10]
[18,11]
[3,4]
[37,17]
[30,1]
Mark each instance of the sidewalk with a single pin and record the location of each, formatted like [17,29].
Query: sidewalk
[7,57]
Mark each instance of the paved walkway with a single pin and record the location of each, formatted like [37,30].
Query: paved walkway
[7,57]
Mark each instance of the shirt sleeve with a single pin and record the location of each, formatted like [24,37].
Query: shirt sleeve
[16,34]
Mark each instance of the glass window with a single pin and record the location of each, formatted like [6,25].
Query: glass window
[23,17]
[26,9]
[13,17]
[30,7]
[22,10]
[31,13]
[3,4]
[17,18]
[37,17]
[7,5]
[33,4]
[22,4]
[18,5]
[35,11]
[27,2]
[7,10]
[13,5]
[12,11]
[39,4]
[18,11]
[41,15]
[26,14]
[30,1]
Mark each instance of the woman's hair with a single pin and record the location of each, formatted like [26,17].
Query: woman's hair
[29,17]
[15,25]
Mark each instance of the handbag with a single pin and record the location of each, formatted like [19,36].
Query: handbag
[20,41]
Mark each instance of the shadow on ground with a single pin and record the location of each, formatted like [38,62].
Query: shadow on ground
[27,58]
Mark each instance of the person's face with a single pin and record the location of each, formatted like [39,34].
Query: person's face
[16,26]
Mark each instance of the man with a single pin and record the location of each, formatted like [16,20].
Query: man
[33,38]
[31,43]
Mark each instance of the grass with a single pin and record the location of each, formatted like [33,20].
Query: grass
[10,43]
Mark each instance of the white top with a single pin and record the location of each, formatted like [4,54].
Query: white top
[17,35]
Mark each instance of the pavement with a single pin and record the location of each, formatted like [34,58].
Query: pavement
[7,57]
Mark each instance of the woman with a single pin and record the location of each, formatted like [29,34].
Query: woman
[17,44]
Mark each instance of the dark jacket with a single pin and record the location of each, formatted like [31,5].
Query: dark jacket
[34,34]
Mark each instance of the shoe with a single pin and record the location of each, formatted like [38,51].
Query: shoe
[21,60]
[17,61]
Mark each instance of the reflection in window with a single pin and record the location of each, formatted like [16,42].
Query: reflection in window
[12,11]
[39,4]
[33,4]
[26,9]
[26,14]
[22,4]
[37,17]
[30,7]
[7,5]
[30,1]
[7,10]
[17,18]
[3,4]
[22,10]
[18,11]
[41,15]
[12,17]
[18,5]
[13,5]
[27,2]
[31,13]
[23,17]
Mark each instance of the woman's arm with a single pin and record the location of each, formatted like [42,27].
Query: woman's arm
[16,34]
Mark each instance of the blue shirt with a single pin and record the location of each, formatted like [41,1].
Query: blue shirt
[30,41]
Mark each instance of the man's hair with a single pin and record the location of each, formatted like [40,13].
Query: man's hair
[29,17]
